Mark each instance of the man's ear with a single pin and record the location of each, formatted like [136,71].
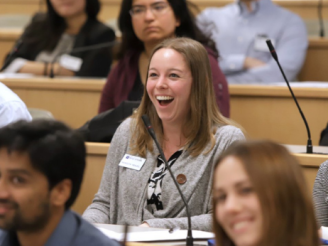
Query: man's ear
[61,192]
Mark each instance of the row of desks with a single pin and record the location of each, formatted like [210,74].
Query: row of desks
[263,111]
[96,157]
[314,68]
[307,9]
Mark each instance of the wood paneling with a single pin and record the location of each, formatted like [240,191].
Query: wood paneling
[72,100]
[270,112]
[307,9]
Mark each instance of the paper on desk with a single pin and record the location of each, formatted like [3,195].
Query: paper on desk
[15,75]
[155,236]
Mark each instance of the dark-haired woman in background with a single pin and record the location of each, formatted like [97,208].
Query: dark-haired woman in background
[144,24]
[66,25]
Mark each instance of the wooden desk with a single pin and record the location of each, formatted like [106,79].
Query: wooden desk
[8,38]
[270,112]
[110,8]
[72,100]
[316,62]
[96,157]
[264,111]
[314,68]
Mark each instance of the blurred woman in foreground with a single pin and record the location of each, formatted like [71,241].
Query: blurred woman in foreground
[260,197]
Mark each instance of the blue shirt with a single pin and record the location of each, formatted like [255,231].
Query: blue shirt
[12,108]
[72,230]
[237,33]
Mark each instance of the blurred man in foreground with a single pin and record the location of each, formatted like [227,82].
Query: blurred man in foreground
[41,170]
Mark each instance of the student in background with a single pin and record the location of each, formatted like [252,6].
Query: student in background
[42,164]
[240,30]
[12,108]
[180,103]
[144,24]
[66,25]
[260,197]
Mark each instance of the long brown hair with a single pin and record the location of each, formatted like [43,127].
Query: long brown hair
[204,116]
[286,203]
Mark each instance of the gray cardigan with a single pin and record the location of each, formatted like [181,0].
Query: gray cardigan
[121,198]
[320,194]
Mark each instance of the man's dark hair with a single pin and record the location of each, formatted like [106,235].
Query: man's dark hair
[53,148]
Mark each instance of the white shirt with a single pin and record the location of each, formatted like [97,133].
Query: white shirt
[239,33]
[12,108]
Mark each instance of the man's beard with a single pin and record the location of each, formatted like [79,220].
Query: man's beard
[20,223]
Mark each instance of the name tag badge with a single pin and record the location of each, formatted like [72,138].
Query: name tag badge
[70,62]
[132,162]
[260,43]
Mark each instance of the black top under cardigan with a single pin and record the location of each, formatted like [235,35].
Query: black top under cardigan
[96,63]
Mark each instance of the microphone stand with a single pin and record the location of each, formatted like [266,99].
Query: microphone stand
[309,147]
[190,240]
[322,27]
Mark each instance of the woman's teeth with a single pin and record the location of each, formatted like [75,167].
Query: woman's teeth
[164,98]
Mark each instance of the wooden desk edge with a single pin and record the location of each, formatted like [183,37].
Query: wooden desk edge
[311,160]
[82,84]
[97,148]
[306,160]
[276,91]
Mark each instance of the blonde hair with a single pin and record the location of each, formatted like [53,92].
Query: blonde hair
[286,203]
[204,116]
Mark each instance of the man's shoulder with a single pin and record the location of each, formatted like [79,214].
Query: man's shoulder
[7,95]
[90,235]
[216,12]
[4,238]
[287,14]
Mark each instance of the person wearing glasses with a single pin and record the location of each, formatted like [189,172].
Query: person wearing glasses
[46,44]
[144,24]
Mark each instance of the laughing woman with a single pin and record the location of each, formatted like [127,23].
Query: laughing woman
[144,24]
[180,102]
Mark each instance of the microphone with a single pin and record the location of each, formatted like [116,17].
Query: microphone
[309,147]
[82,49]
[12,53]
[189,240]
[322,27]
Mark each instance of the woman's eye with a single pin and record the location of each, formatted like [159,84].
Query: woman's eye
[17,180]
[174,75]
[137,10]
[246,190]
[159,7]
[152,75]
[220,198]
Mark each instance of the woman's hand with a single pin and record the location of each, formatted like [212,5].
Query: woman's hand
[144,225]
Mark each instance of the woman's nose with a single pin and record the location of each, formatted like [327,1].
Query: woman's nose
[149,14]
[161,83]
[232,204]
